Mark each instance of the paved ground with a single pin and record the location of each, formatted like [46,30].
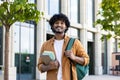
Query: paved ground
[102,77]
[1,78]
[96,77]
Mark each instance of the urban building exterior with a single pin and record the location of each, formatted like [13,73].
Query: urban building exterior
[27,38]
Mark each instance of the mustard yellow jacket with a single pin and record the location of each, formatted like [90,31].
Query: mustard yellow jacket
[77,49]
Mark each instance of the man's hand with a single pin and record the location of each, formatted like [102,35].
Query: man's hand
[77,59]
[51,66]
[54,64]
[70,54]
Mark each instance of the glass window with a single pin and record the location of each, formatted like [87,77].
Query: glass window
[24,36]
[73,32]
[90,36]
[52,6]
[24,50]
[31,1]
[89,13]
[48,27]
[118,45]
[104,54]
[73,14]
[1,1]
[104,45]
[115,45]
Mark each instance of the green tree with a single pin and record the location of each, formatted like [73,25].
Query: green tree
[10,12]
[109,13]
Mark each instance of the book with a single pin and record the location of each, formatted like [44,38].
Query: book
[45,59]
[50,54]
[47,56]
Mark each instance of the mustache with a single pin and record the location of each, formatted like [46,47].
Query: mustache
[55,31]
[57,26]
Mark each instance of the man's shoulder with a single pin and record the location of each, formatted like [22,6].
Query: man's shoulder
[49,41]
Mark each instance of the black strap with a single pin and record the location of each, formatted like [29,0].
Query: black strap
[69,46]
[71,76]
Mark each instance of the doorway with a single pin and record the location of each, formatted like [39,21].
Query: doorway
[104,55]
[24,50]
[49,36]
[92,59]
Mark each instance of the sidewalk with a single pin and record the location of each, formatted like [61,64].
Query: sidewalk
[1,77]
[102,77]
[96,77]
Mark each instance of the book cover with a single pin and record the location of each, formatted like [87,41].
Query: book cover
[47,56]
[50,54]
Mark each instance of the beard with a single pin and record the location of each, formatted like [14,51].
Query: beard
[58,30]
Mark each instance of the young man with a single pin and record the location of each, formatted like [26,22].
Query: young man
[59,69]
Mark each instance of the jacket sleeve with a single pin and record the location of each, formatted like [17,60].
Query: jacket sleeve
[39,59]
[80,51]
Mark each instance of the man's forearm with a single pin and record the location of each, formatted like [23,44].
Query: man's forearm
[79,60]
[52,65]
[45,68]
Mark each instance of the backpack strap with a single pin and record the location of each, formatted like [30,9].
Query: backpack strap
[70,43]
[81,70]
[69,46]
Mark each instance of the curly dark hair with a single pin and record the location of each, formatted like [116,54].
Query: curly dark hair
[57,17]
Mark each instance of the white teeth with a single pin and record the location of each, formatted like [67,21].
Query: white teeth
[58,28]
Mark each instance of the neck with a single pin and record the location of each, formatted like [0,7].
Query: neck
[59,36]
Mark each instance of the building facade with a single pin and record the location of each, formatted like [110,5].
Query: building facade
[27,38]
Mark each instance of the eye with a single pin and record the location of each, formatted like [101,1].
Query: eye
[56,22]
[62,23]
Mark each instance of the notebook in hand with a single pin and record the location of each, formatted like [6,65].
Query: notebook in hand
[47,56]
[50,54]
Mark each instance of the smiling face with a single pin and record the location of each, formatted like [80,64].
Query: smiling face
[59,27]
[59,23]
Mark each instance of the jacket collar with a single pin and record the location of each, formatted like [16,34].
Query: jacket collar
[66,38]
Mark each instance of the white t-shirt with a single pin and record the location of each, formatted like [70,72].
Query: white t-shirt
[58,44]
